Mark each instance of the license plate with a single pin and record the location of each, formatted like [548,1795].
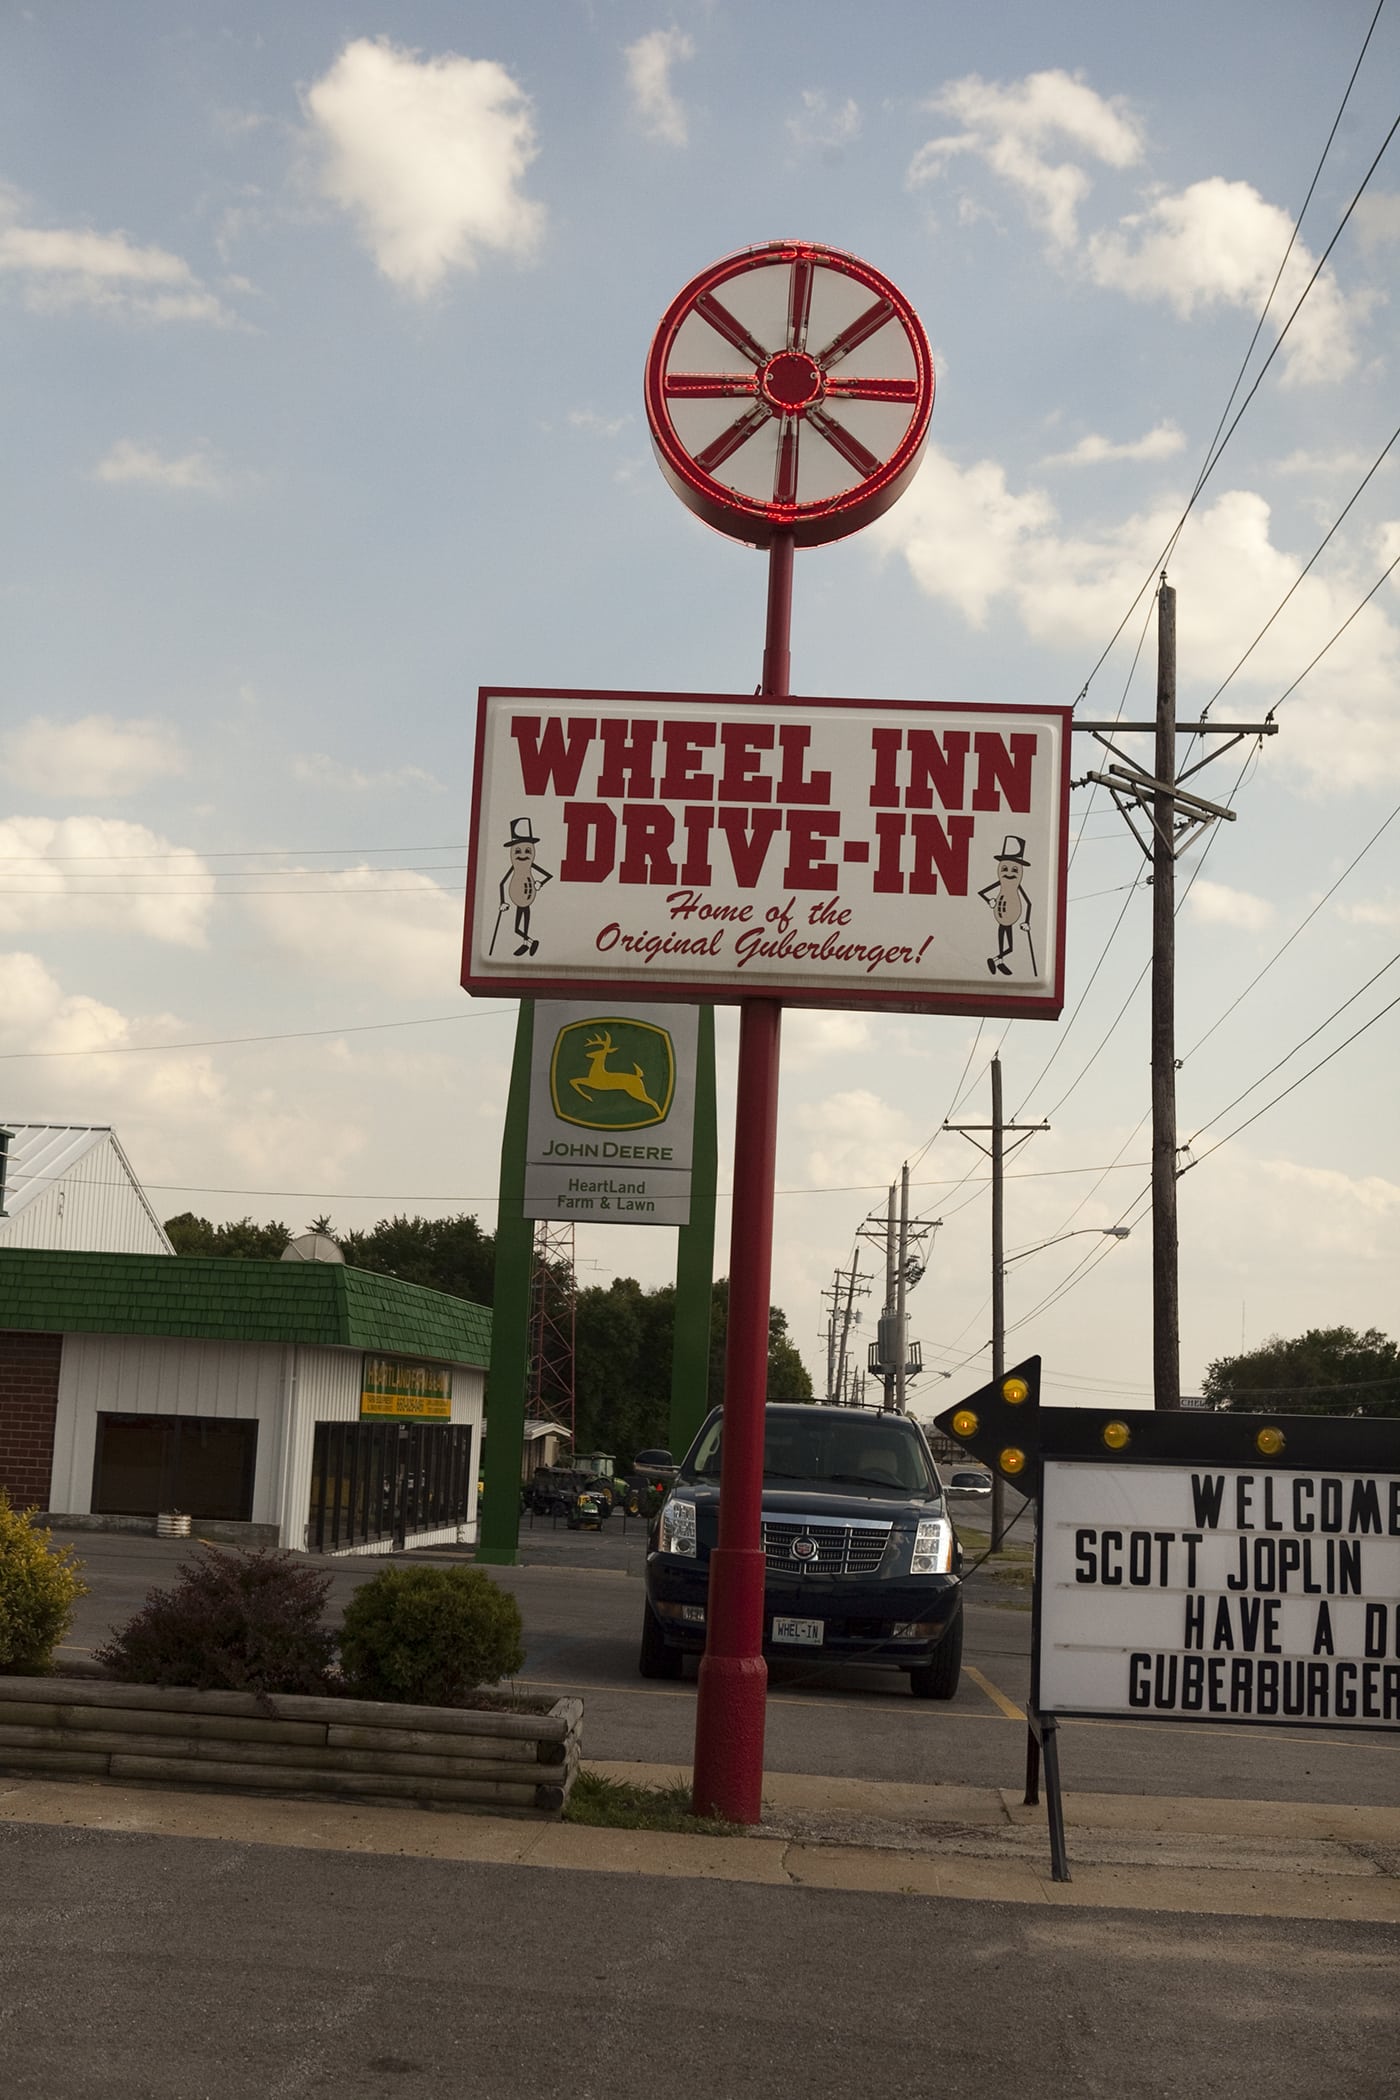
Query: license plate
[801,1633]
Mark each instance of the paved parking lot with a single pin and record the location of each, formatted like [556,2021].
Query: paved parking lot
[581,1599]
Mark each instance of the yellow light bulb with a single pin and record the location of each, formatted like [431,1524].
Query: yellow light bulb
[1269,1442]
[1117,1435]
[1014,1391]
[1012,1460]
[964,1423]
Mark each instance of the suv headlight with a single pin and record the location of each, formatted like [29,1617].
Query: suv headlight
[933,1547]
[678,1527]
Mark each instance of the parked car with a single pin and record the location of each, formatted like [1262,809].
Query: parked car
[651,1474]
[861,1553]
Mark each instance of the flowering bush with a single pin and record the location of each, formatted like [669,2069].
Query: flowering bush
[39,1585]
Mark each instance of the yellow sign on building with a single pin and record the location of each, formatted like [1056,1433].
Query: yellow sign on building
[391,1389]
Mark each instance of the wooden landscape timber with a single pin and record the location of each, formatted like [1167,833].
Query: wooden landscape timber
[519,1764]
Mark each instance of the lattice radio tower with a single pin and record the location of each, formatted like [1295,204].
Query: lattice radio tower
[549,1389]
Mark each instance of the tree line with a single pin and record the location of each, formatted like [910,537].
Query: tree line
[622,1331]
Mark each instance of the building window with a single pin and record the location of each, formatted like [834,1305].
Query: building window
[387,1480]
[200,1464]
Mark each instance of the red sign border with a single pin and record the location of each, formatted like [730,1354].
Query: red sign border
[1045,1006]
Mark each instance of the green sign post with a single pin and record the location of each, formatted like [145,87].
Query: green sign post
[498,1534]
[600,1104]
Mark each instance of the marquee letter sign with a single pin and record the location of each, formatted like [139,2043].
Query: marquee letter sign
[830,853]
[1197,1566]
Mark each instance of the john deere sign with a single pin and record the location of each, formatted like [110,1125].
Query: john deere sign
[612,1110]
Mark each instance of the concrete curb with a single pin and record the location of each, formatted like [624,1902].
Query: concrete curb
[1129,1853]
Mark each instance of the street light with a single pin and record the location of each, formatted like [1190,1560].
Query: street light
[1110,1232]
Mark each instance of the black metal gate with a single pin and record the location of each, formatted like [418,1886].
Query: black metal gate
[387,1480]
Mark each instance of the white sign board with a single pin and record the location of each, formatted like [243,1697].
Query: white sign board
[823,852]
[612,1114]
[1212,1593]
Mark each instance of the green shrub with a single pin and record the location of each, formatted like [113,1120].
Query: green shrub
[39,1585]
[232,1622]
[429,1636]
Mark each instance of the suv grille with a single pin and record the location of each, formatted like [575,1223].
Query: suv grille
[849,1548]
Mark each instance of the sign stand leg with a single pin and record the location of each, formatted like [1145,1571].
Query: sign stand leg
[1045,1735]
[1032,1794]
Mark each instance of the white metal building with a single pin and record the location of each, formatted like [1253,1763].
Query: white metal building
[306,1404]
[70,1186]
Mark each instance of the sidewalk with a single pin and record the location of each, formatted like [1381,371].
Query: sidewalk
[1265,1859]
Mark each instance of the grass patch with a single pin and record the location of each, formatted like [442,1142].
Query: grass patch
[623,1804]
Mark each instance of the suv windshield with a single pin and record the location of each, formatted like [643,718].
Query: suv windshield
[843,1447]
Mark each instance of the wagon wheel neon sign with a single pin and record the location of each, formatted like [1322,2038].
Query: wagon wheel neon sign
[789,389]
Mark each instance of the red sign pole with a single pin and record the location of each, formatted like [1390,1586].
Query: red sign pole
[732,1698]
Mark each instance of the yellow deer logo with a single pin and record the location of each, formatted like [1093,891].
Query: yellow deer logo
[599,1080]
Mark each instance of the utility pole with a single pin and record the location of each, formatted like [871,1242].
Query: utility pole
[901,1294]
[894,1359]
[1174,820]
[890,1348]
[996,1130]
[845,1287]
[1166,1314]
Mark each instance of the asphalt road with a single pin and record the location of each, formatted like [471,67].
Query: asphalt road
[581,1599]
[140,1968]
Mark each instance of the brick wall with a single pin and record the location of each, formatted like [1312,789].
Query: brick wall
[28,1404]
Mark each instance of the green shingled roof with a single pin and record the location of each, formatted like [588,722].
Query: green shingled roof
[321,1304]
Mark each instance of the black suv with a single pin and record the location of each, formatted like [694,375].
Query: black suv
[861,1553]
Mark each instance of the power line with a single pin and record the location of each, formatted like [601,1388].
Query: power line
[1220,1018]
[1299,1081]
[237,852]
[1332,529]
[425,892]
[1384,577]
[1218,442]
[286,1035]
[199,1188]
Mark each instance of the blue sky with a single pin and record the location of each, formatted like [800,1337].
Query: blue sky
[325,335]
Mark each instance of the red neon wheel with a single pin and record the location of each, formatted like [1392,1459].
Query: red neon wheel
[789,389]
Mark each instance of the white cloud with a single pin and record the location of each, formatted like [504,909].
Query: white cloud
[96,756]
[1376,911]
[321,769]
[1215,904]
[1377,219]
[649,63]
[407,939]
[1305,462]
[62,874]
[427,157]
[847,1131]
[810,1038]
[600,426]
[1220,243]
[1313,1225]
[962,531]
[130,461]
[1015,127]
[978,544]
[823,123]
[1161,442]
[61,267]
